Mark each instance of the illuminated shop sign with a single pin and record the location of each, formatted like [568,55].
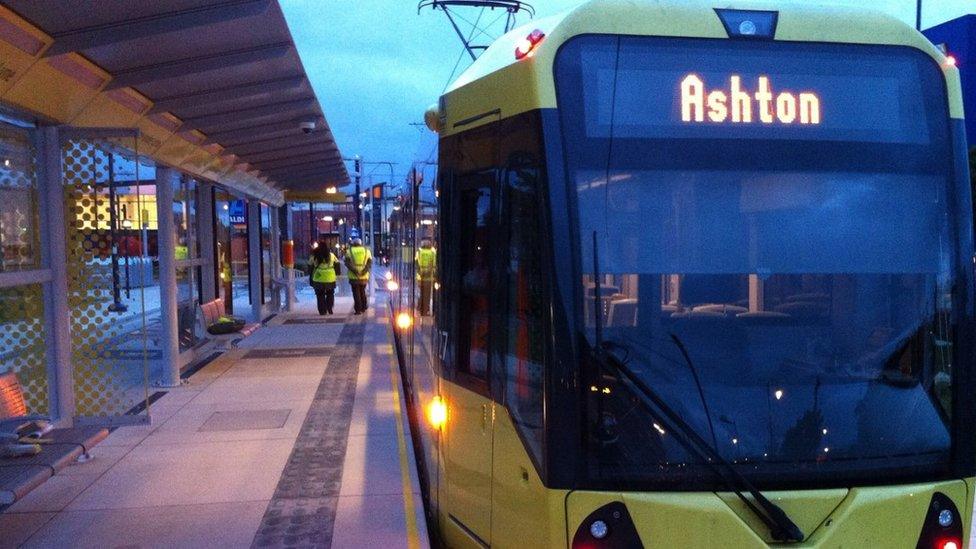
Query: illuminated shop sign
[738,102]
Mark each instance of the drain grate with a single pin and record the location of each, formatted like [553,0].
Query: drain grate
[288,353]
[315,321]
[246,420]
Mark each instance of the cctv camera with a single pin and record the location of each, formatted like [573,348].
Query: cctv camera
[307,127]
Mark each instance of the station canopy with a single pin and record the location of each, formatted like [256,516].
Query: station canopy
[227,68]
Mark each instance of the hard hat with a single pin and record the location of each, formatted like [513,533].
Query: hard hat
[357,242]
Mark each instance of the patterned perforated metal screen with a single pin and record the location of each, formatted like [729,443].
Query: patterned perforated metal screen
[22,334]
[22,348]
[109,335]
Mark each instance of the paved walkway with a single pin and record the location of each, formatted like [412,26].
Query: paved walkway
[296,439]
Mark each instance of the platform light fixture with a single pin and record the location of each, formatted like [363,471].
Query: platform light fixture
[330,190]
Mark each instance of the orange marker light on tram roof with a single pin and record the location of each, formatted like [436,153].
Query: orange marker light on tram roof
[437,412]
[527,45]
[404,321]
[950,61]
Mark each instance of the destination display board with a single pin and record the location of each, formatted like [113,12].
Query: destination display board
[654,88]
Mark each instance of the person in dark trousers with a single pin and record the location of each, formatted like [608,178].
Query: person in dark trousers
[325,269]
[359,262]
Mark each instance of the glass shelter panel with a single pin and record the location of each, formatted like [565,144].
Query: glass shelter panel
[185,219]
[23,348]
[266,263]
[230,237]
[19,240]
[187,243]
[110,335]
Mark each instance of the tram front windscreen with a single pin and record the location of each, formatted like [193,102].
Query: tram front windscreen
[777,252]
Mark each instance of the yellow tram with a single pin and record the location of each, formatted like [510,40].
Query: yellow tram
[704,279]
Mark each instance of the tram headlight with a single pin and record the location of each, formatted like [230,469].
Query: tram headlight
[945,518]
[942,528]
[598,529]
[609,526]
[437,412]
[404,321]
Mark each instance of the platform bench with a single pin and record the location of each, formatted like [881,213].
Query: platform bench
[59,447]
[210,314]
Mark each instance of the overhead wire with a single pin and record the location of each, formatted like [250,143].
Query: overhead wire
[464,48]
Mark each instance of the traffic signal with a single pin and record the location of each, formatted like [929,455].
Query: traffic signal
[357,166]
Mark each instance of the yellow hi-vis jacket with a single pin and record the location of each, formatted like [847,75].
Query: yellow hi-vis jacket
[326,270]
[426,263]
[358,261]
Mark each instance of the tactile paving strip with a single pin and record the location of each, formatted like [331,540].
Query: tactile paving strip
[302,511]
[287,353]
[314,321]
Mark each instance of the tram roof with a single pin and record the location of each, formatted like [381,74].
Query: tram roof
[497,80]
[216,86]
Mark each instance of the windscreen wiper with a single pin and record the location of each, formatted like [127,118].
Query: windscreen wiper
[779,523]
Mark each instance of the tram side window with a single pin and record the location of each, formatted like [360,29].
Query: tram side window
[525,315]
[475,293]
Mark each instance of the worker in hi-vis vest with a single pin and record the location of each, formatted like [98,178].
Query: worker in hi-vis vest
[325,269]
[358,262]
[426,262]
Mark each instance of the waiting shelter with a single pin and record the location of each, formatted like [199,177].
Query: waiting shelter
[145,152]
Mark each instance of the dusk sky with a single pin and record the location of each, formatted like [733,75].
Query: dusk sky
[376,65]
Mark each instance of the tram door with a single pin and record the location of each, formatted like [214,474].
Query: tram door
[469,441]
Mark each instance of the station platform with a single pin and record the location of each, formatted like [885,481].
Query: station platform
[298,438]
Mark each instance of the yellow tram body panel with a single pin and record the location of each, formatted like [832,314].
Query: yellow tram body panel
[498,81]
[525,513]
[868,517]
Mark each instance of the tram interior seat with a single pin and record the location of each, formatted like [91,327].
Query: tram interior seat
[700,315]
[623,312]
[605,304]
[765,318]
[804,309]
[723,308]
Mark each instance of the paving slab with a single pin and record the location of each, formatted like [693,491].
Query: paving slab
[280,449]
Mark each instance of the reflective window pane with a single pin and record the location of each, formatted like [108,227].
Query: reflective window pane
[22,345]
[187,299]
[185,219]
[266,264]
[19,237]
